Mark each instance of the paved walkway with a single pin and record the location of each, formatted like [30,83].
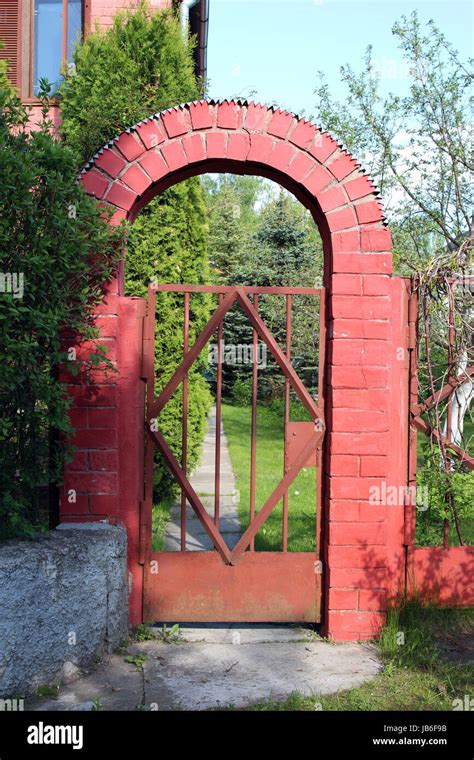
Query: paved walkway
[219,666]
[202,480]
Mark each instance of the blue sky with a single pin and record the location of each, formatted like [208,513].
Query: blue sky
[272,50]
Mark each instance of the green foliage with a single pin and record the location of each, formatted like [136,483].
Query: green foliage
[50,232]
[168,243]
[139,66]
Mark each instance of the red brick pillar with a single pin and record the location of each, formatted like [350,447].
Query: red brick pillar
[105,478]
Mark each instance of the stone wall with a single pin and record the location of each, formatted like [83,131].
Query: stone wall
[63,602]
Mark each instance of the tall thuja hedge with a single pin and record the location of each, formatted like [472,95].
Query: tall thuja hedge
[139,66]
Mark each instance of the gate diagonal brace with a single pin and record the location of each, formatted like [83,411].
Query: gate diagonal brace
[281,359]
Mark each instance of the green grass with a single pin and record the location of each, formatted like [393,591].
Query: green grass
[159,519]
[302,492]
[417,674]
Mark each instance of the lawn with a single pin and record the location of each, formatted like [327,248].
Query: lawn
[302,492]
[432,670]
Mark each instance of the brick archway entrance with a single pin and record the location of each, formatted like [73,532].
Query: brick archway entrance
[366,356]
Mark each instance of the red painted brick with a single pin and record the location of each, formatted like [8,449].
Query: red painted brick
[345,241]
[136,179]
[366,352]
[95,439]
[256,117]
[373,512]
[359,377]
[355,534]
[346,284]
[103,504]
[202,115]
[120,195]
[300,166]
[108,305]
[358,188]
[116,220]
[372,600]
[357,421]
[342,166]
[376,285]
[281,156]
[107,326]
[103,460]
[376,239]
[362,578]
[341,219]
[229,115]
[130,146]
[280,123]
[79,461]
[345,623]
[194,148]
[238,146]
[106,417]
[110,161]
[365,263]
[154,165]
[151,133]
[78,507]
[351,487]
[359,328]
[174,155]
[332,198]
[373,466]
[94,183]
[343,464]
[316,180]
[323,146]
[93,395]
[216,144]
[260,148]
[303,134]
[79,417]
[343,599]
[87,482]
[348,557]
[175,122]
[344,510]
[368,212]
[360,443]
[365,307]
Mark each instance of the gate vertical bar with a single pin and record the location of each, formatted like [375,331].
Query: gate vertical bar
[217,471]
[184,428]
[253,445]
[287,419]
[321,404]
[449,410]
[410,501]
[148,373]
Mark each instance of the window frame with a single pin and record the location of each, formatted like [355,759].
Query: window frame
[26,42]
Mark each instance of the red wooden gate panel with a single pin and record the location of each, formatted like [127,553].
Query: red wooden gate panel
[238,584]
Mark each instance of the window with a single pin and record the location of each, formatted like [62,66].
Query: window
[39,37]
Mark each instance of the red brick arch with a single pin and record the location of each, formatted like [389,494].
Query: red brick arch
[366,411]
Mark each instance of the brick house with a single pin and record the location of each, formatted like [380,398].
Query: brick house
[39,36]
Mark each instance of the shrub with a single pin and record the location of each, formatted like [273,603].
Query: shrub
[50,232]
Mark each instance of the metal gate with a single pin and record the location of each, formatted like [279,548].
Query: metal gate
[238,584]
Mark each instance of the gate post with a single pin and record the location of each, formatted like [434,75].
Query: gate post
[104,481]
[367,435]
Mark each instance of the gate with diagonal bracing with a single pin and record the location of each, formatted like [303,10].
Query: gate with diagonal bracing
[239,583]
